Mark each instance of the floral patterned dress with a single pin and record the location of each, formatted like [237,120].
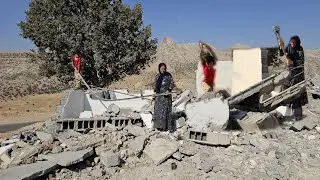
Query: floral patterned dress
[162,116]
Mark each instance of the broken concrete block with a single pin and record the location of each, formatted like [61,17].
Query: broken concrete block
[137,145]
[179,104]
[135,130]
[56,149]
[160,150]
[181,122]
[98,173]
[44,137]
[147,119]
[27,152]
[209,138]
[86,114]
[28,171]
[189,148]
[8,142]
[213,112]
[284,111]
[5,149]
[178,156]
[254,122]
[113,109]
[21,144]
[85,143]
[68,158]
[4,157]
[309,125]
[110,159]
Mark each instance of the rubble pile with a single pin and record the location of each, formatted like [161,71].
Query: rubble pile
[135,152]
[247,145]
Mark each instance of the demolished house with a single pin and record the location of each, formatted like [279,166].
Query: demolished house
[86,121]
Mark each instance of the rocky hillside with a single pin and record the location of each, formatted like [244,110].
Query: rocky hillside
[20,76]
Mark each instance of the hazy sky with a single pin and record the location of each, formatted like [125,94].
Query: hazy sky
[219,22]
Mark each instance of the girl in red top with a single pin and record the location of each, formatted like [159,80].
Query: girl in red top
[76,62]
[208,61]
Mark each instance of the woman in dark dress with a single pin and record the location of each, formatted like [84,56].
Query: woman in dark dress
[163,104]
[295,54]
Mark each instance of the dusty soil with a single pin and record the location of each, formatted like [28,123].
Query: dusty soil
[29,108]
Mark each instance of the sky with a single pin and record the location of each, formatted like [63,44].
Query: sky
[222,23]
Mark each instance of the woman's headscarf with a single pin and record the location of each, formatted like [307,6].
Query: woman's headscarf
[297,39]
[160,78]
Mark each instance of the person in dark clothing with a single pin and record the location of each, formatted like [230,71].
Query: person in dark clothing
[162,116]
[295,55]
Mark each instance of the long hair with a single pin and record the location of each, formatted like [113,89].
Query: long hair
[207,53]
[162,64]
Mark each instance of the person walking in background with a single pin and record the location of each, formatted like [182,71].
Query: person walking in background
[295,56]
[208,60]
[76,61]
[163,104]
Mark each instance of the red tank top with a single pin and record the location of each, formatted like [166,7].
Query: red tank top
[209,74]
[76,62]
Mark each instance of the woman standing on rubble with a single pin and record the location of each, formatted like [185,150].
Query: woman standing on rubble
[163,104]
[295,55]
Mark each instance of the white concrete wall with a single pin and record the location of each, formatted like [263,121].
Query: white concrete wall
[247,68]
[98,108]
[75,105]
[224,75]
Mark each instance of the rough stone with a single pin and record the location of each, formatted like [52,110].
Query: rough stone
[57,149]
[181,122]
[137,145]
[110,159]
[255,122]
[317,129]
[98,173]
[8,142]
[147,119]
[85,143]
[160,150]
[201,117]
[178,156]
[135,130]
[63,137]
[26,152]
[44,137]
[311,137]
[297,127]
[68,158]
[189,148]
[96,160]
[113,108]
[28,171]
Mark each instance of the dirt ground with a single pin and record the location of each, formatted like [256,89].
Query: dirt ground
[29,108]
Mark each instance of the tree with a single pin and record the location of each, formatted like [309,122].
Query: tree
[108,34]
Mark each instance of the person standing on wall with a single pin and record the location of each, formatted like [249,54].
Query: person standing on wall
[208,60]
[76,61]
[295,61]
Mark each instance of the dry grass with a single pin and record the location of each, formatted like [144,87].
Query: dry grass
[30,108]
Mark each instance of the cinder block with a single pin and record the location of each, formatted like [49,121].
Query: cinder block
[209,138]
